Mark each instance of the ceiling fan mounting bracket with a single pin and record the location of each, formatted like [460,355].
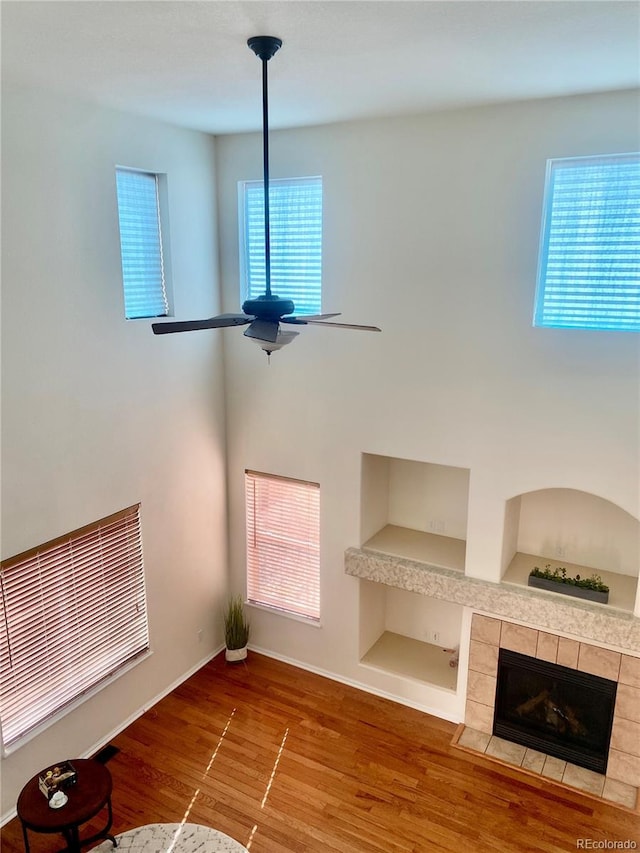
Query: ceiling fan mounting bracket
[264,47]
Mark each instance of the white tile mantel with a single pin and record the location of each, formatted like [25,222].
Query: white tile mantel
[584,619]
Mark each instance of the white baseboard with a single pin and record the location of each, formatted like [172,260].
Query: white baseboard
[359,685]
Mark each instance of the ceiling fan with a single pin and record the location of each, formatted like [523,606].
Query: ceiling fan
[263,315]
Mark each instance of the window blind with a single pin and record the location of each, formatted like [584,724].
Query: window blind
[283,543]
[295,228]
[589,269]
[141,245]
[73,613]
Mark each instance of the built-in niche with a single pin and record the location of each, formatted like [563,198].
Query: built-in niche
[581,532]
[409,634]
[416,510]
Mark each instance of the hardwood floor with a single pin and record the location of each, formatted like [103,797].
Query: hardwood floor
[285,760]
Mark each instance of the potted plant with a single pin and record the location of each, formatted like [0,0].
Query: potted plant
[236,629]
[557,580]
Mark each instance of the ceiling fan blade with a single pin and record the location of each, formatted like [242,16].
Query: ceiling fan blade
[218,322]
[263,330]
[304,318]
[345,326]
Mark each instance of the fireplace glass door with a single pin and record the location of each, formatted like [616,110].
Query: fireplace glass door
[555,710]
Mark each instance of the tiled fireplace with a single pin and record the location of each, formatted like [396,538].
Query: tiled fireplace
[586,637]
[489,635]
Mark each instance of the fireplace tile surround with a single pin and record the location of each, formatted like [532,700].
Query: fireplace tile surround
[488,635]
[566,632]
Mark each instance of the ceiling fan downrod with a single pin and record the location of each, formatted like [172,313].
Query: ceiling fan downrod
[265,47]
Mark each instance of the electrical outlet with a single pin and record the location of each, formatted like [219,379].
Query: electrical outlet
[436,525]
[436,638]
[561,551]
[199,632]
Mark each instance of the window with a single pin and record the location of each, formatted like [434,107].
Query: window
[143,273]
[73,613]
[283,544]
[589,271]
[295,230]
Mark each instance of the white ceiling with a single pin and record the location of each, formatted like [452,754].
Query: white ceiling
[187,62]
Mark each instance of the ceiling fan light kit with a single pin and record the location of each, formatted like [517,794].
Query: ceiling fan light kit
[263,315]
[282,339]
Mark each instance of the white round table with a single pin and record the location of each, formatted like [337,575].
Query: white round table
[172,838]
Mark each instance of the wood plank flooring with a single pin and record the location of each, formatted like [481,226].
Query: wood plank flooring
[286,761]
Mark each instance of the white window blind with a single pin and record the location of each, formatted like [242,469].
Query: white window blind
[295,228]
[73,613]
[141,245]
[283,543]
[589,268]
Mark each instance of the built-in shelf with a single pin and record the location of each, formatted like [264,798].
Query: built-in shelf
[410,658]
[414,585]
[405,634]
[581,532]
[516,601]
[442,551]
[415,510]
[622,588]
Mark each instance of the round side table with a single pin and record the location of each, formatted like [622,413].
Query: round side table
[89,796]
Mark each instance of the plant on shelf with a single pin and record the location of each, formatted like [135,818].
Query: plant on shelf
[592,588]
[560,576]
[236,629]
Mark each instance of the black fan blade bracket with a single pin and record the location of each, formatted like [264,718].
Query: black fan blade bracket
[263,330]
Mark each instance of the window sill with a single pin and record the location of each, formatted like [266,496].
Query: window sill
[80,700]
[306,620]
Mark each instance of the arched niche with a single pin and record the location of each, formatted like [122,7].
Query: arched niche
[574,529]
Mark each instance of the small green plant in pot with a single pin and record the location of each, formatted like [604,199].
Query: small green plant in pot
[236,629]
[557,580]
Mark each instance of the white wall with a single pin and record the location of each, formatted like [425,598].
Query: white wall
[431,227]
[567,525]
[98,413]
[431,231]
[429,497]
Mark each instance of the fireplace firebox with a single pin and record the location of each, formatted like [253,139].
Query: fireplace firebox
[554,709]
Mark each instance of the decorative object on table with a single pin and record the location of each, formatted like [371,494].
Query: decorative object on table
[89,800]
[236,630]
[264,314]
[57,778]
[177,837]
[557,580]
[58,800]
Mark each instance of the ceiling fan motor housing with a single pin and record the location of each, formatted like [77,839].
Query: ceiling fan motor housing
[268,307]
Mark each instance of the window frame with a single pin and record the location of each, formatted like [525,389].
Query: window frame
[163,292]
[586,296]
[304,563]
[249,291]
[74,584]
